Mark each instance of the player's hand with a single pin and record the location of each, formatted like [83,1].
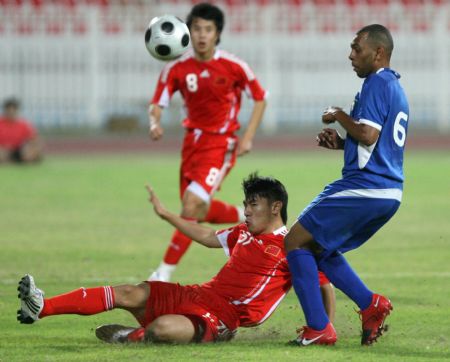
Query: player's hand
[330,138]
[159,208]
[155,131]
[244,147]
[329,114]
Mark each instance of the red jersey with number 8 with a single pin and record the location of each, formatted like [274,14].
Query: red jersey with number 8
[211,90]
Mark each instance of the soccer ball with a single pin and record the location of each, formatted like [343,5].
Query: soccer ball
[167,37]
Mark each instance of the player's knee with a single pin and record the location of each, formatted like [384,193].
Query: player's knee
[130,296]
[195,208]
[298,238]
[161,330]
[171,329]
[290,242]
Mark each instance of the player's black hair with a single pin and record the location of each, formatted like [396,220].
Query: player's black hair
[379,35]
[268,188]
[11,102]
[208,12]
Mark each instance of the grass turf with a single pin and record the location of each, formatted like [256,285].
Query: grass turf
[85,221]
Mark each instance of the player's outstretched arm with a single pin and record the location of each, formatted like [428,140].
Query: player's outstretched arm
[154,122]
[246,142]
[199,233]
[363,133]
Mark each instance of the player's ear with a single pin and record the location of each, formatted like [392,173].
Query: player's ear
[380,53]
[276,207]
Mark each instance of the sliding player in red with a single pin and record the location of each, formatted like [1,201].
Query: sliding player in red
[244,293]
[211,82]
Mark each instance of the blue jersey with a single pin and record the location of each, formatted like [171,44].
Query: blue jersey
[381,104]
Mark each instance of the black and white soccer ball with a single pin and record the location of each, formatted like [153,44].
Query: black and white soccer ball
[167,37]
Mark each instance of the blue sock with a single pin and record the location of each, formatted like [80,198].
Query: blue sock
[344,278]
[305,279]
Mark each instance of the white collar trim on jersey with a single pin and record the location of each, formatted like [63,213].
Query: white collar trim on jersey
[216,54]
[281,230]
[379,70]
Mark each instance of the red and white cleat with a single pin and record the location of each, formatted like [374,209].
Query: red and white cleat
[373,318]
[310,336]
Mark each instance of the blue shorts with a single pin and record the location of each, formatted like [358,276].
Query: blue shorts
[345,223]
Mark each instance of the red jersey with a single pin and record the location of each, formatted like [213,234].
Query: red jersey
[14,134]
[256,277]
[211,90]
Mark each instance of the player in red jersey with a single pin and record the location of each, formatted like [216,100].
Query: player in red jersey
[211,82]
[19,141]
[244,293]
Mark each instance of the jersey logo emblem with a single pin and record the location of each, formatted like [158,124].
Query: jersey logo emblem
[272,250]
[204,74]
[220,81]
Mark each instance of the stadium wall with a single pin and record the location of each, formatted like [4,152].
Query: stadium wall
[75,64]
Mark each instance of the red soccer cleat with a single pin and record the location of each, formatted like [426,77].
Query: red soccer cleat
[309,336]
[373,319]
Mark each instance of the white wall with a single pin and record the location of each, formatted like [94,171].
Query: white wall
[73,78]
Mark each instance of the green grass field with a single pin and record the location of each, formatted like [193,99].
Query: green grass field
[85,221]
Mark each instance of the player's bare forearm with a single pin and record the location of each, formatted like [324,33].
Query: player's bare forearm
[363,133]
[154,122]
[199,233]
[246,142]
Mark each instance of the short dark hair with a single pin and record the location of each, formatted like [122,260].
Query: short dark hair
[268,188]
[379,35]
[208,12]
[11,102]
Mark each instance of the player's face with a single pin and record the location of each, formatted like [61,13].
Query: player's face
[362,56]
[258,215]
[11,112]
[204,37]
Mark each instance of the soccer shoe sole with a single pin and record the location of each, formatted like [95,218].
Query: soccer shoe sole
[24,287]
[113,333]
[24,318]
[24,295]
[366,333]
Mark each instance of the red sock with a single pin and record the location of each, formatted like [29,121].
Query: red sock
[137,335]
[84,301]
[178,246]
[222,213]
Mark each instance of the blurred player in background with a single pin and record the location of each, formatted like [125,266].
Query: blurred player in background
[19,141]
[244,293]
[211,82]
[349,211]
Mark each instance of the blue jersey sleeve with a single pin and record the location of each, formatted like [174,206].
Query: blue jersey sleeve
[372,109]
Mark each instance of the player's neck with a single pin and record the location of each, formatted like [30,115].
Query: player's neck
[273,226]
[205,56]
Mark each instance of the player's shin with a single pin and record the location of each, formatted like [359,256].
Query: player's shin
[305,280]
[223,213]
[177,248]
[84,301]
[343,277]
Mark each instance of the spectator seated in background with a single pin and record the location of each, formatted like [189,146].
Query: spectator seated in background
[19,141]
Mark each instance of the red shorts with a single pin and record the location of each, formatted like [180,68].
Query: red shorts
[206,159]
[171,298]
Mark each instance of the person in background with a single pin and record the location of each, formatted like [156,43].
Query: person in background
[19,140]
